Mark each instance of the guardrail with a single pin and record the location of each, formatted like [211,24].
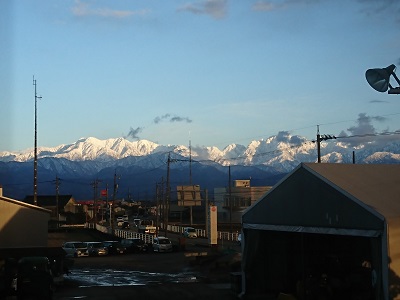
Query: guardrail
[148,238]
[221,235]
[126,234]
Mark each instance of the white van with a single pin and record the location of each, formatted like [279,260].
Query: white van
[162,244]
[190,232]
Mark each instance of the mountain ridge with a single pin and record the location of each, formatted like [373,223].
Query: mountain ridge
[143,163]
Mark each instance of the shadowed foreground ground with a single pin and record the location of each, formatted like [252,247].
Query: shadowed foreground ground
[161,291]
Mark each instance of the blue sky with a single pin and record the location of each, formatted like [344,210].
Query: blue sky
[214,72]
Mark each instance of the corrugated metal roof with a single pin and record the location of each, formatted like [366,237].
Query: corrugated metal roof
[376,185]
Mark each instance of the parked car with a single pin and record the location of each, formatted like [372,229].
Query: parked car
[239,239]
[114,247]
[189,232]
[34,279]
[96,249]
[134,245]
[162,244]
[123,224]
[136,222]
[75,249]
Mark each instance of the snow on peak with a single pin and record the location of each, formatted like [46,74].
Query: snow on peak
[90,149]
[282,151]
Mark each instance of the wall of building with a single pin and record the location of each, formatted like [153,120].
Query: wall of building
[22,225]
[242,196]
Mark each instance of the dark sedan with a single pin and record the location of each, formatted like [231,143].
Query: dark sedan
[114,247]
[134,245]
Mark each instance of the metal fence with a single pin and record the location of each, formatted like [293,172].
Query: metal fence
[148,238]
[227,236]
[126,234]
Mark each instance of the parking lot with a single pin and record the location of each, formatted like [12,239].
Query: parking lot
[174,275]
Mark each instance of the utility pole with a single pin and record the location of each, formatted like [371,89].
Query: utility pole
[318,145]
[159,203]
[113,201]
[129,194]
[167,195]
[320,138]
[115,185]
[163,202]
[57,200]
[190,162]
[190,179]
[102,205]
[35,149]
[230,199]
[157,206]
[95,184]
[206,212]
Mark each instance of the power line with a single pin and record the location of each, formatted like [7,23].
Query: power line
[301,145]
[307,127]
[369,134]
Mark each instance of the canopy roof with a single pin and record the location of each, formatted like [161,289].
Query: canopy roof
[318,195]
[359,200]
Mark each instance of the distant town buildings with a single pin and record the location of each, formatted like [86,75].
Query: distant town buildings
[232,201]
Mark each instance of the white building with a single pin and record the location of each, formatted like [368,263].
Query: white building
[232,202]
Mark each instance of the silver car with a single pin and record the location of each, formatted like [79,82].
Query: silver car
[75,249]
[162,244]
[190,232]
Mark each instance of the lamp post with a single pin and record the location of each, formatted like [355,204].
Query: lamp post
[379,79]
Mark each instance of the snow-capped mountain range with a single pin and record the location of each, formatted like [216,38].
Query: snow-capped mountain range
[276,155]
[281,152]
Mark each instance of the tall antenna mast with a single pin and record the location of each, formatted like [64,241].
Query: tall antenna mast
[35,149]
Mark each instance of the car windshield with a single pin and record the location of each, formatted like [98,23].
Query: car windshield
[164,241]
[147,222]
[80,245]
[191,230]
[96,245]
[110,243]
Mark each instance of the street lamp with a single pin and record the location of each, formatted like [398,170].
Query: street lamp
[379,79]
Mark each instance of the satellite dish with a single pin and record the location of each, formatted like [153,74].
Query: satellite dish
[379,78]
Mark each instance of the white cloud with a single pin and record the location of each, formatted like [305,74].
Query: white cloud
[264,6]
[364,132]
[214,8]
[84,9]
[270,5]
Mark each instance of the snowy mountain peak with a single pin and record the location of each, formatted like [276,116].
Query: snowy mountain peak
[88,149]
[283,151]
